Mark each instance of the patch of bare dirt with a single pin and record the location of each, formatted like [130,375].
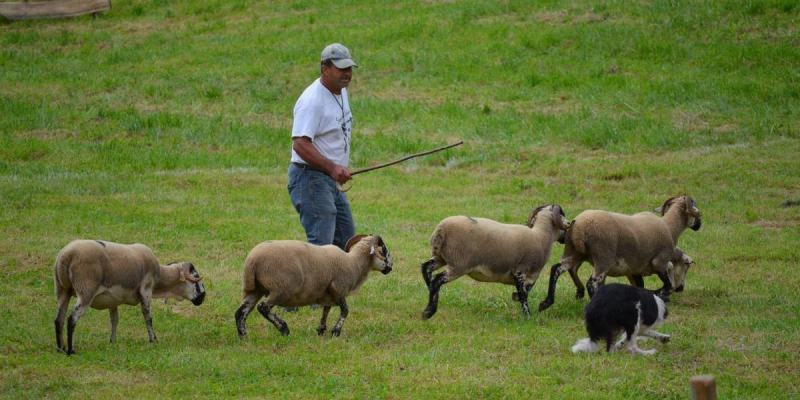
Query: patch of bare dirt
[775,224]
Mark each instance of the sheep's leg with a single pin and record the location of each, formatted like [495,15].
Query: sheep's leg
[80,308]
[433,295]
[580,291]
[323,322]
[522,293]
[113,316]
[666,289]
[148,318]
[427,270]
[337,329]
[595,281]
[636,280]
[266,310]
[61,314]
[555,271]
[248,303]
[515,295]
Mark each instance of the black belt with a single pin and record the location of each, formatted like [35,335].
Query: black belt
[306,166]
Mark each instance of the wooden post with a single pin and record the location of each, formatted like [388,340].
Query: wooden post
[52,9]
[703,387]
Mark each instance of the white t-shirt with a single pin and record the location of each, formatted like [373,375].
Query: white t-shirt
[327,120]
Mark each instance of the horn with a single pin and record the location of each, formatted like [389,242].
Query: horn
[353,240]
[665,206]
[533,215]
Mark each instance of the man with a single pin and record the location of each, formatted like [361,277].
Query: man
[321,135]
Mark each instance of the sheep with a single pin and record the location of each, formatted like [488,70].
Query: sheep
[626,245]
[293,273]
[103,275]
[677,274]
[490,251]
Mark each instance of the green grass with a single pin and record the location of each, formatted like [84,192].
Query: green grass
[167,123]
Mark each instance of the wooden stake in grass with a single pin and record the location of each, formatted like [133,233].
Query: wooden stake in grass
[703,388]
[52,9]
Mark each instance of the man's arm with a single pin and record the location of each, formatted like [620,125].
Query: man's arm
[305,149]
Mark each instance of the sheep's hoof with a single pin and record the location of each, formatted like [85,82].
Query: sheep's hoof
[544,305]
[526,310]
[664,339]
[69,352]
[321,331]
[284,330]
[427,314]
[580,293]
[335,332]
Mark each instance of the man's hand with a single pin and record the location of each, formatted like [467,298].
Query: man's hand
[340,174]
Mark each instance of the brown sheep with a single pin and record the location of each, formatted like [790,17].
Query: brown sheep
[490,251]
[625,245]
[293,273]
[104,275]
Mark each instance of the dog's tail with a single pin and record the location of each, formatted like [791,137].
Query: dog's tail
[586,345]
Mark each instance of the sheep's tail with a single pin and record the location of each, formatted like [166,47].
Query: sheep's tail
[61,279]
[574,238]
[249,278]
[585,345]
[437,241]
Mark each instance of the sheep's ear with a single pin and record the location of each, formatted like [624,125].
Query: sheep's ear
[689,204]
[372,250]
[182,276]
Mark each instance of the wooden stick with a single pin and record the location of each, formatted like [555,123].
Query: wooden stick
[424,153]
[703,388]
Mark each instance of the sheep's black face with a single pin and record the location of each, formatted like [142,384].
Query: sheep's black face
[196,289]
[562,237]
[382,257]
[694,214]
[199,299]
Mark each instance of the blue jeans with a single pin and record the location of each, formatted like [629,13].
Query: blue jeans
[324,210]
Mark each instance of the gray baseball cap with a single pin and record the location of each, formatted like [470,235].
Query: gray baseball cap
[339,55]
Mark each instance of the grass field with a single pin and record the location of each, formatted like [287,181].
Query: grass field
[167,123]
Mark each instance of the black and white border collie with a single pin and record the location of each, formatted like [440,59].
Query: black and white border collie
[617,308]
